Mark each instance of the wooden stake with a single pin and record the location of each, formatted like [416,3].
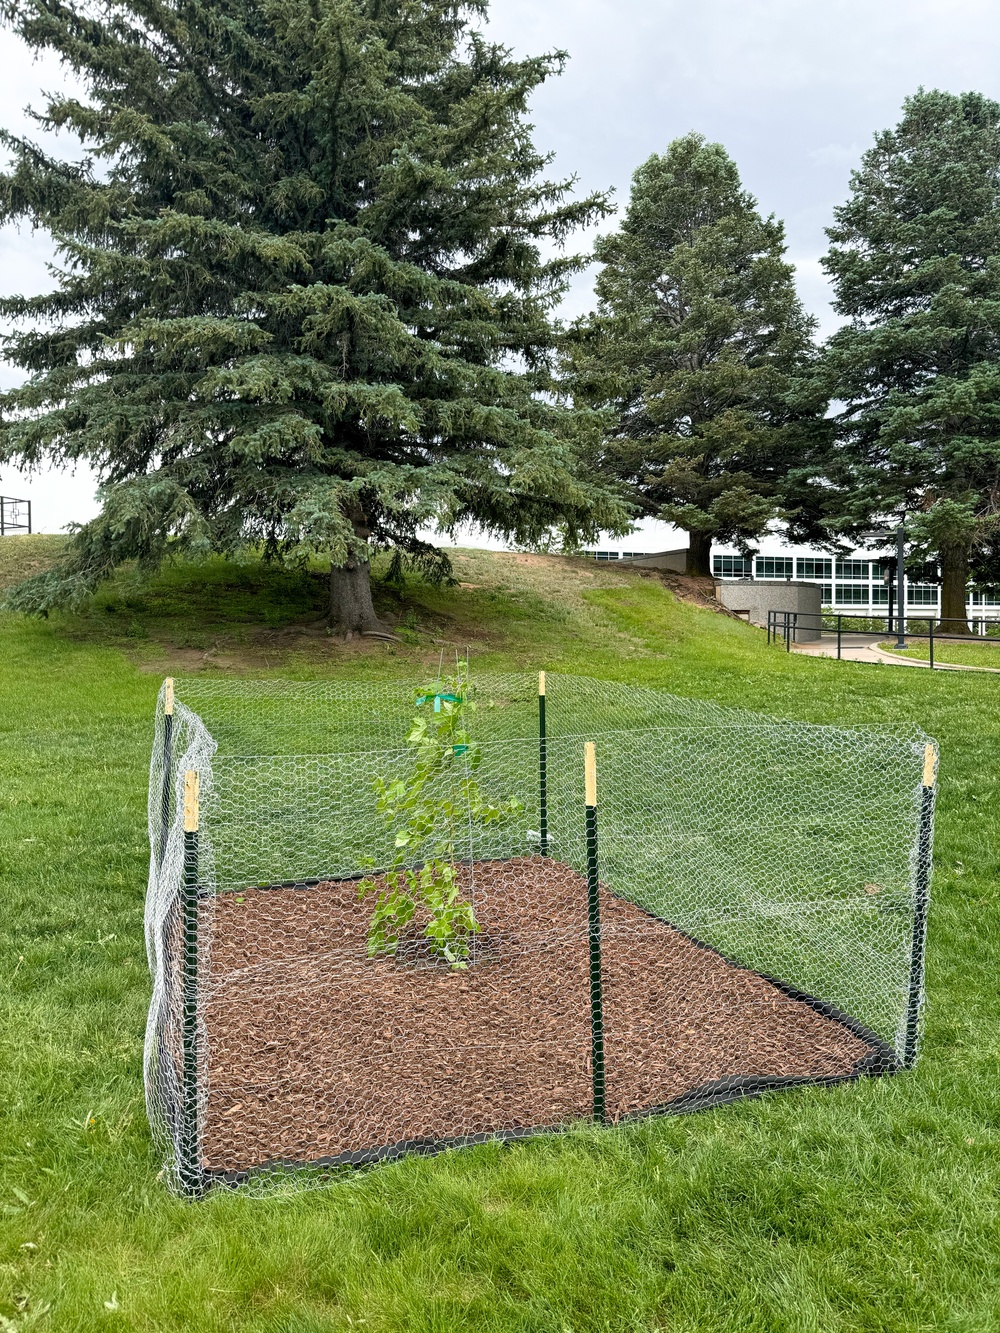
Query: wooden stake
[541,684]
[929,758]
[191,801]
[168,696]
[590,773]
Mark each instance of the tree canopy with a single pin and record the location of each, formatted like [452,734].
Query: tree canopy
[915,265]
[694,353]
[301,299]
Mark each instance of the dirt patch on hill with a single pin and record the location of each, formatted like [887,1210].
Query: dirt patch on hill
[698,589]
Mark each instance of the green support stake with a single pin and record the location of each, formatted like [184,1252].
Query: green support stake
[168,738]
[189,1164]
[594,933]
[543,777]
[920,906]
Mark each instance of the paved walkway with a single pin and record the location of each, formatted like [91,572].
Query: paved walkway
[865,648]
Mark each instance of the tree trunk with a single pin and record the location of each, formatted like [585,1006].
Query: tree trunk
[954,583]
[351,609]
[699,555]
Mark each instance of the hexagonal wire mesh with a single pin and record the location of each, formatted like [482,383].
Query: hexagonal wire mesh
[744,909]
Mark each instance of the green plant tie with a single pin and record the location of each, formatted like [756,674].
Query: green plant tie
[448,698]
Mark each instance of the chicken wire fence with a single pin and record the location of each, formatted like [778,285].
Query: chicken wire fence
[740,905]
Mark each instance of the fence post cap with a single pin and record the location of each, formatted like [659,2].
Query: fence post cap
[168,696]
[191,801]
[590,773]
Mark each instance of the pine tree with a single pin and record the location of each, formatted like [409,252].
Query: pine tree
[694,350]
[915,264]
[301,300]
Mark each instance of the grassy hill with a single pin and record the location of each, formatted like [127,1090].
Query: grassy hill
[867,1207]
[22,556]
[225,615]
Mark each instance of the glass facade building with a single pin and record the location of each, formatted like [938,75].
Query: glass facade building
[854,585]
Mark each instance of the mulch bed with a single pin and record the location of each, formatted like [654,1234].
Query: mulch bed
[315,1050]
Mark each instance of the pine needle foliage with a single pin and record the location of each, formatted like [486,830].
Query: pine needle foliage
[915,265]
[694,352]
[301,299]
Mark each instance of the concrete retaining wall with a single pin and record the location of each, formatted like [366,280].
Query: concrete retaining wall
[674,561]
[757,598]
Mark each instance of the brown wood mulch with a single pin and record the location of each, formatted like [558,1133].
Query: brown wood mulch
[315,1050]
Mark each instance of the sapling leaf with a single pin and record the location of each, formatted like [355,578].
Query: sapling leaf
[424,807]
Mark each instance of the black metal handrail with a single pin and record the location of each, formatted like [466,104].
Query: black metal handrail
[12,514]
[787,624]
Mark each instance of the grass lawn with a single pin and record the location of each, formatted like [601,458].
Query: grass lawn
[22,556]
[977,652]
[867,1207]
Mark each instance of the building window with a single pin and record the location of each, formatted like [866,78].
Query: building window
[826,594]
[614,555]
[852,594]
[880,594]
[814,569]
[852,569]
[922,594]
[774,567]
[731,567]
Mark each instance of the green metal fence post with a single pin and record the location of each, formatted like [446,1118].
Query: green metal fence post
[920,906]
[168,737]
[543,776]
[594,932]
[189,1165]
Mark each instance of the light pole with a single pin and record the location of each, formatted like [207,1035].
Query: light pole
[900,578]
[888,578]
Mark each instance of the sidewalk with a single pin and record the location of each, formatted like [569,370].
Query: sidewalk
[865,648]
[853,648]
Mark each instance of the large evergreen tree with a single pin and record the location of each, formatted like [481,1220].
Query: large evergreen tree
[300,300]
[694,350]
[915,264]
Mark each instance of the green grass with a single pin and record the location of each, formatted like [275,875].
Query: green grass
[977,652]
[25,555]
[867,1207]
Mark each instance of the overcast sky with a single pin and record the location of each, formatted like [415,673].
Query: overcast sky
[794,90]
